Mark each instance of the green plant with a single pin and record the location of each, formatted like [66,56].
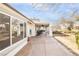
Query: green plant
[77,39]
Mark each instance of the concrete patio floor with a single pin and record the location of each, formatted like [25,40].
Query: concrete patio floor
[44,46]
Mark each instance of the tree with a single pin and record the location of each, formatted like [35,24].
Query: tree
[71,23]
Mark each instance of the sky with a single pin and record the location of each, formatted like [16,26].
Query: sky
[49,12]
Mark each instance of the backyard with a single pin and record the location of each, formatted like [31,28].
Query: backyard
[69,40]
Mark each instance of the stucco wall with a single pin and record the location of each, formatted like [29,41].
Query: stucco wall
[31,26]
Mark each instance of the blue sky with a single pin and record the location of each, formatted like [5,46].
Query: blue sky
[46,12]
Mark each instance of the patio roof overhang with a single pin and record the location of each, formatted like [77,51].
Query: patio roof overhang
[17,12]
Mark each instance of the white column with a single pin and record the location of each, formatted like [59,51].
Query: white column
[50,30]
[10,30]
[27,27]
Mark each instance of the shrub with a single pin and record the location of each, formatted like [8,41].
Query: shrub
[57,32]
[77,38]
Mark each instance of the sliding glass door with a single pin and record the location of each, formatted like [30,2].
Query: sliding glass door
[18,30]
[12,30]
[15,29]
[4,31]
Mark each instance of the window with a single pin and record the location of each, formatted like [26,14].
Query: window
[30,32]
[17,30]
[22,31]
[4,31]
